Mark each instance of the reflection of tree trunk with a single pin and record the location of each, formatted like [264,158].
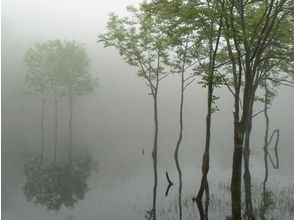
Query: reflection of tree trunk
[176,154]
[267,155]
[247,176]
[275,165]
[268,141]
[42,125]
[70,125]
[55,122]
[154,153]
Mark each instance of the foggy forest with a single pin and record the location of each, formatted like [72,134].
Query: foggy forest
[147,109]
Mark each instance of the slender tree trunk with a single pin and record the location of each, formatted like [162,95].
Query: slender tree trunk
[265,149]
[247,177]
[154,153]
[42,126]
[176,154]
[267,140]
[240,127]
[70,125]
[237,162]
[55,122]
[207,198]
[205,158]
[238,133]
[236,174]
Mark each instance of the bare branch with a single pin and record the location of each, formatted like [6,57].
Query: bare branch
[259,112]
[188,83]
[164,76]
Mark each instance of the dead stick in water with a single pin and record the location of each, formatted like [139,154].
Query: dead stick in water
[170,183]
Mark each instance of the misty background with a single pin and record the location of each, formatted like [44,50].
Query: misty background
[115,122]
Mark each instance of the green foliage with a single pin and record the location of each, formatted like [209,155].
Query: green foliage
[74,69]
[65,63]
[141,42]
[40,61]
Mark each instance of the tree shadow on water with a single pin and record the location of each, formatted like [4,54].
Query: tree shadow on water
[56,184]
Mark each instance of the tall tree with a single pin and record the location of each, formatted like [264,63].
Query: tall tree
[74,78]
[38,71]
[185,46]
[250,29]
[212,29]
[182,62]
[54,77]
[196,17]
[143,44]
[61,66]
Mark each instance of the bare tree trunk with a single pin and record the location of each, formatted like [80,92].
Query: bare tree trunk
[241,127]
[154,154]
[265,149]
[236,176]
[207,198]
[176,154]
[206,157]
[70,125]
[247,177]
[55,122]
[268,141]
[237,162]
[42,126]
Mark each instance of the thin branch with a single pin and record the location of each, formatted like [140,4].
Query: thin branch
[228,86]
[188,66]
[188,83]
[275,131]
[259,112]
[164,76]
[189,77]
[227,62]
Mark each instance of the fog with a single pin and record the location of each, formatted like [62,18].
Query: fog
[115,122]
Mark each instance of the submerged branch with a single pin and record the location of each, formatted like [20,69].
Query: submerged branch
[170,184]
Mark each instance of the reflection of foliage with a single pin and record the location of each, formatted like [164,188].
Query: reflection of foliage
[56,184]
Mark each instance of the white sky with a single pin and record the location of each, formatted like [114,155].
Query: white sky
[73,19]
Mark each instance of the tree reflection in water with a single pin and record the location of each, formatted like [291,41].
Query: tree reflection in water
[54,185]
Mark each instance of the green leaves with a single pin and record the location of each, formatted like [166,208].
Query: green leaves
[141,42]
[63,62]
